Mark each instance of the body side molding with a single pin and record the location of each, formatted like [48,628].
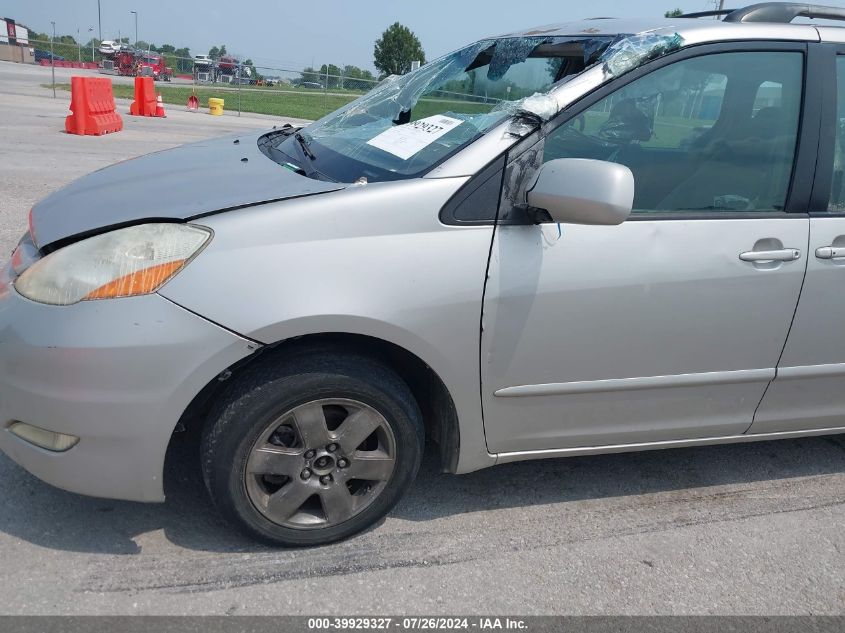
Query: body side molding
[504,458]
[646,382]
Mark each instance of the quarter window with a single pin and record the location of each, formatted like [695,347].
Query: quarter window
[715,133]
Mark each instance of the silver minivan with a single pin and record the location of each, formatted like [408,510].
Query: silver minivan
[594,237]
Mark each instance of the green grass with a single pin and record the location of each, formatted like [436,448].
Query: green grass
[314,91]
[300,103]
[258,100]
[429,107]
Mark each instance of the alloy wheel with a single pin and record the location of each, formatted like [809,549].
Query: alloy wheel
[320,463]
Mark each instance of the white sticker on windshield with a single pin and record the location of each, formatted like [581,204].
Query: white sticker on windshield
[406,140]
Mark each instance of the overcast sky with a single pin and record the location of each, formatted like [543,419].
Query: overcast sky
[296,34]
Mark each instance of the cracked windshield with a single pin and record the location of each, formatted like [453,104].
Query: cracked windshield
[407,125]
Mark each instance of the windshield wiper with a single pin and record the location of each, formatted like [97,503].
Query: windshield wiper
[306,167]
[304,145]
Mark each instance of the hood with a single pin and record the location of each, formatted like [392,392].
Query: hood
[176,184]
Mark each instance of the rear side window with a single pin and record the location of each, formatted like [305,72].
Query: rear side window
[716,133]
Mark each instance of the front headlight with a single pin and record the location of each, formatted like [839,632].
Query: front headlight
[133,261]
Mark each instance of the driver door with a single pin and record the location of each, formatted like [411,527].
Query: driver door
[668,326]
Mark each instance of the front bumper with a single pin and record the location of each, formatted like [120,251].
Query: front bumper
[116,373]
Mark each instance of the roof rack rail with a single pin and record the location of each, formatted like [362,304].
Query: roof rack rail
[707,14]
[784,12]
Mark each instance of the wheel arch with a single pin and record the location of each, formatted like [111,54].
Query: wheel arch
[428,388]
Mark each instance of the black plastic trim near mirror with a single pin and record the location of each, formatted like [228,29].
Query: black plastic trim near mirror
[477,202]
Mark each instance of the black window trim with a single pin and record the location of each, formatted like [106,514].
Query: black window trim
[822,182]
[464,195]
[803,171]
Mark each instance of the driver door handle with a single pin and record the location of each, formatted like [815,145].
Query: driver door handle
[830,252]
[779,255]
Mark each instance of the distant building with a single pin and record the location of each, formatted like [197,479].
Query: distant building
[14,42]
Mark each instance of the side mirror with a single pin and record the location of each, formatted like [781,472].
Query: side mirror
[583,191]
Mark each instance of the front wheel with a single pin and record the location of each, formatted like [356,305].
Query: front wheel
[312,450]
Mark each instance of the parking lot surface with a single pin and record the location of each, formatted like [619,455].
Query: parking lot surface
[741,529]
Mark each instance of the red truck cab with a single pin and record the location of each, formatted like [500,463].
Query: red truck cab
[155,65]
[227,65]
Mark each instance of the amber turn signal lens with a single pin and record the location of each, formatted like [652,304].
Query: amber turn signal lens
[140,282]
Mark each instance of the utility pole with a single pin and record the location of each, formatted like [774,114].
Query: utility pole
[91,30]
[53,59]
[136,26]
[721,6]
[99,21]
[78,47]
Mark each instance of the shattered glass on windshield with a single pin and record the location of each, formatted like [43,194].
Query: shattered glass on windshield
[408,124]
[633,51]
[510,51]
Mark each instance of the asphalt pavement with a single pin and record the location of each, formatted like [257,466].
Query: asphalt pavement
[740,529]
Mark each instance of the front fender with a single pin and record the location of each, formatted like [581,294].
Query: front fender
[371,260]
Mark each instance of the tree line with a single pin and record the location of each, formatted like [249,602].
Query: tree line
[393,54]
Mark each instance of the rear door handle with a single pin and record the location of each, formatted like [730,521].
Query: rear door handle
[780,255]
[830,252]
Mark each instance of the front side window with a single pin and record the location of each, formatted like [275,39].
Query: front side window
[716,133]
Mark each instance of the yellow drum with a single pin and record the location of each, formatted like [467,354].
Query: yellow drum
[215,106]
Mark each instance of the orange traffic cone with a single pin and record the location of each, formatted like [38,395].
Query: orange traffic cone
[160,107]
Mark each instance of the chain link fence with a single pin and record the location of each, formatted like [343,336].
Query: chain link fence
[293,92]
[298,93]
[303,93]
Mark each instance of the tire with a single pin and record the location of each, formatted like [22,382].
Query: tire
[273,423]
